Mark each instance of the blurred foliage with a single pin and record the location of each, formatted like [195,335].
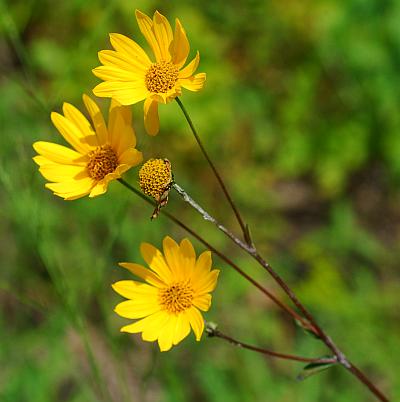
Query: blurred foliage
[301,112]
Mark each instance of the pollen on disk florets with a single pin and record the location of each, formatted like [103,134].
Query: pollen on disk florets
[102,161]
[155,177]
[177,297]
[161,77]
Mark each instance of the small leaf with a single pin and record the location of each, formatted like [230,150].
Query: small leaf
[247,235]
[211,328]
[315,368]
[306,327]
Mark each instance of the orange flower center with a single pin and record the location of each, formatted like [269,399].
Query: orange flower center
[177,298]
[103,161]
[161,77]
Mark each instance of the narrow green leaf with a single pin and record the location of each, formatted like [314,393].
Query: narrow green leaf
[247,235]
[314,368]
[306,329]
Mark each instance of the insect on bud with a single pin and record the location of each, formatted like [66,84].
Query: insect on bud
[155,180]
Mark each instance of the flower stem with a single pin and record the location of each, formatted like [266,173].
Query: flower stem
[212,332]
[245,231]
[312,324]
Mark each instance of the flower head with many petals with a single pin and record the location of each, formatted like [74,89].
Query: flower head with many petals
[101,152]
[176,287]
[130,76]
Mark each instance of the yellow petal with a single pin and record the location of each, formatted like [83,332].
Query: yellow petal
[156,261]
[80,121]
[120,127]
[172,254]
[203,280]
[163,33]
[151,120]
[112,73]
[72,189]
[188,71]
[119,171]
[196,321]
[202,266]
[57,172]
[123,44]
[71,186]
[149,322]
[97,119]
[188,256]
[41,160]
[203,302]
[144,273]
[116,109]
[74,196]
[165,339]
[154,327]
[72,134]
[182,329]
[206,283]
[122,61]
[137,308]
[166,97]
[58,153]
[127,93]
[146,27]
[180,45]
[131,157]
[99,188]
[194,83]
[134,289]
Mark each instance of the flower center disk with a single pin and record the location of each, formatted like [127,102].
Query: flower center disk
[176,298]
[161,77]
[103,161]
[155,177]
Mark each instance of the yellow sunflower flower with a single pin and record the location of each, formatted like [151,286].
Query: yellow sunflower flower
[177,287]
[130,76]
[101,153]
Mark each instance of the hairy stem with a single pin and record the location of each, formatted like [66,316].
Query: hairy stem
[245,232]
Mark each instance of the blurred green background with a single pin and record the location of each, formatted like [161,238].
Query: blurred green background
[301,112]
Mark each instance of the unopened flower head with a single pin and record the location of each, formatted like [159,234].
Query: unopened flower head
[176,287]
[101,153]
[130,76]
[155,178]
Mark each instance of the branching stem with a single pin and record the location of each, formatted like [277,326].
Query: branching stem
[313,325]
[212,332]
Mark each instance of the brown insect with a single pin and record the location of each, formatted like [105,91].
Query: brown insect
[162,199]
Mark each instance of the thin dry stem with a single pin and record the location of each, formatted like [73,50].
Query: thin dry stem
[213,332]
[313,325]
